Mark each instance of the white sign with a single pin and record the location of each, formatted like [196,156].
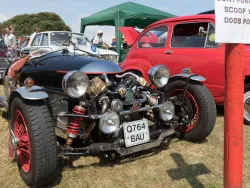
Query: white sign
[232,19]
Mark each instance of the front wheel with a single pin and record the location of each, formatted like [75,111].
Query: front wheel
[33,141]
[199,104]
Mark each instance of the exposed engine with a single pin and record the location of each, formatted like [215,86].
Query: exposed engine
[112,100]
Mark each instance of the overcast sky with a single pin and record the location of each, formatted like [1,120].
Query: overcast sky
[72,10]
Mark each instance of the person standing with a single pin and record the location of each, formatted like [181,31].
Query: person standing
[10,38]
[37,30]
[98,39]
[113,43]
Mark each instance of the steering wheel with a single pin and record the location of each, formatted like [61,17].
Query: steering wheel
[55,43]
[146,45]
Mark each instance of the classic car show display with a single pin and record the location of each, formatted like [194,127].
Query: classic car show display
[187,41]
[96,108]
[55,40]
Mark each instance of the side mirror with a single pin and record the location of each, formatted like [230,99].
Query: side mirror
[202,31]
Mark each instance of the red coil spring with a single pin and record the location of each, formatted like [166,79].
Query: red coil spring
[74,125]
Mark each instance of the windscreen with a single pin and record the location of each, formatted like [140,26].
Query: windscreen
[79,39]
[60,38]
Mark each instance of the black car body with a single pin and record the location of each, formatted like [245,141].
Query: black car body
[54,66]
[94,108]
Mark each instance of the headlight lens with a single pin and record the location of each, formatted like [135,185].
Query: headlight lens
[167,111]
[159,75]
[75,84]
[109,122]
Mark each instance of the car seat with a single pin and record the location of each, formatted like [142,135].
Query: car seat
[194,41]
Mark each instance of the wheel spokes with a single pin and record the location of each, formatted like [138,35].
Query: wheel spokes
[23,146]
[195,116]
[24,159]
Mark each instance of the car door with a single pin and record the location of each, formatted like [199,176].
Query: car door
[151,45]
[35,44]
[44,44]
[193,46]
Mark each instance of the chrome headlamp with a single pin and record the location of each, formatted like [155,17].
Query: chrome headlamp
[159,75]
[75,84]
[109,122]
[167,111]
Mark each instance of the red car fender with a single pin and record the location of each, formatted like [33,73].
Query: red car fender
[140,65]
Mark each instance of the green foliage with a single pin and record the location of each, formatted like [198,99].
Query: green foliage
[24,24]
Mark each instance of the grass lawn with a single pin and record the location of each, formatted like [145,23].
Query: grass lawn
[176,164]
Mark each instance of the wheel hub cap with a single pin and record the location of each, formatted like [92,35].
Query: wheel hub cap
[14,141]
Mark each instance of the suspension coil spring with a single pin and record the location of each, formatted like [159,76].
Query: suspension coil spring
[74,126]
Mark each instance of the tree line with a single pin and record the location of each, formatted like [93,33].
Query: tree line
[24,24]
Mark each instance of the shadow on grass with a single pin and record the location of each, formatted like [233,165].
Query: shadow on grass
[187,171]
[67,162]
[104,162]
[183,170]
[4,114]
[220,111]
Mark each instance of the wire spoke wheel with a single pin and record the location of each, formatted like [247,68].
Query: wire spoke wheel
[197,108]
[23,147]
[33,141]
[191,107]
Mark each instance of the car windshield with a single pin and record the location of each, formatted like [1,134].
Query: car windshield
[79,39]
[59,38]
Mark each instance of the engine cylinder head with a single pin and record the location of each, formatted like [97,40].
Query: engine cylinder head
[122,91]
[96,87]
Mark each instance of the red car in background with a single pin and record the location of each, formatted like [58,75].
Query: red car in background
[184,42]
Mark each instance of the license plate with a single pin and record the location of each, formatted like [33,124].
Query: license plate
[136,132]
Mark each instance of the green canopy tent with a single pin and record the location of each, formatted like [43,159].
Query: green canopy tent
[126,14]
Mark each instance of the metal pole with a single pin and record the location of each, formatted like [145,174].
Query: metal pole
[234,96]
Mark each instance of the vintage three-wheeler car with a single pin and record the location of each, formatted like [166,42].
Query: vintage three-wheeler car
[77,105]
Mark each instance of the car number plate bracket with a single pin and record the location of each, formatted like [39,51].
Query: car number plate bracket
[136,132]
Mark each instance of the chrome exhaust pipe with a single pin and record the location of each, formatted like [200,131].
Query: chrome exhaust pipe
[3,103]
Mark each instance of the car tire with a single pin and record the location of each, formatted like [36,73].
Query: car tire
[246,112]
[203,106]
[36,150]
